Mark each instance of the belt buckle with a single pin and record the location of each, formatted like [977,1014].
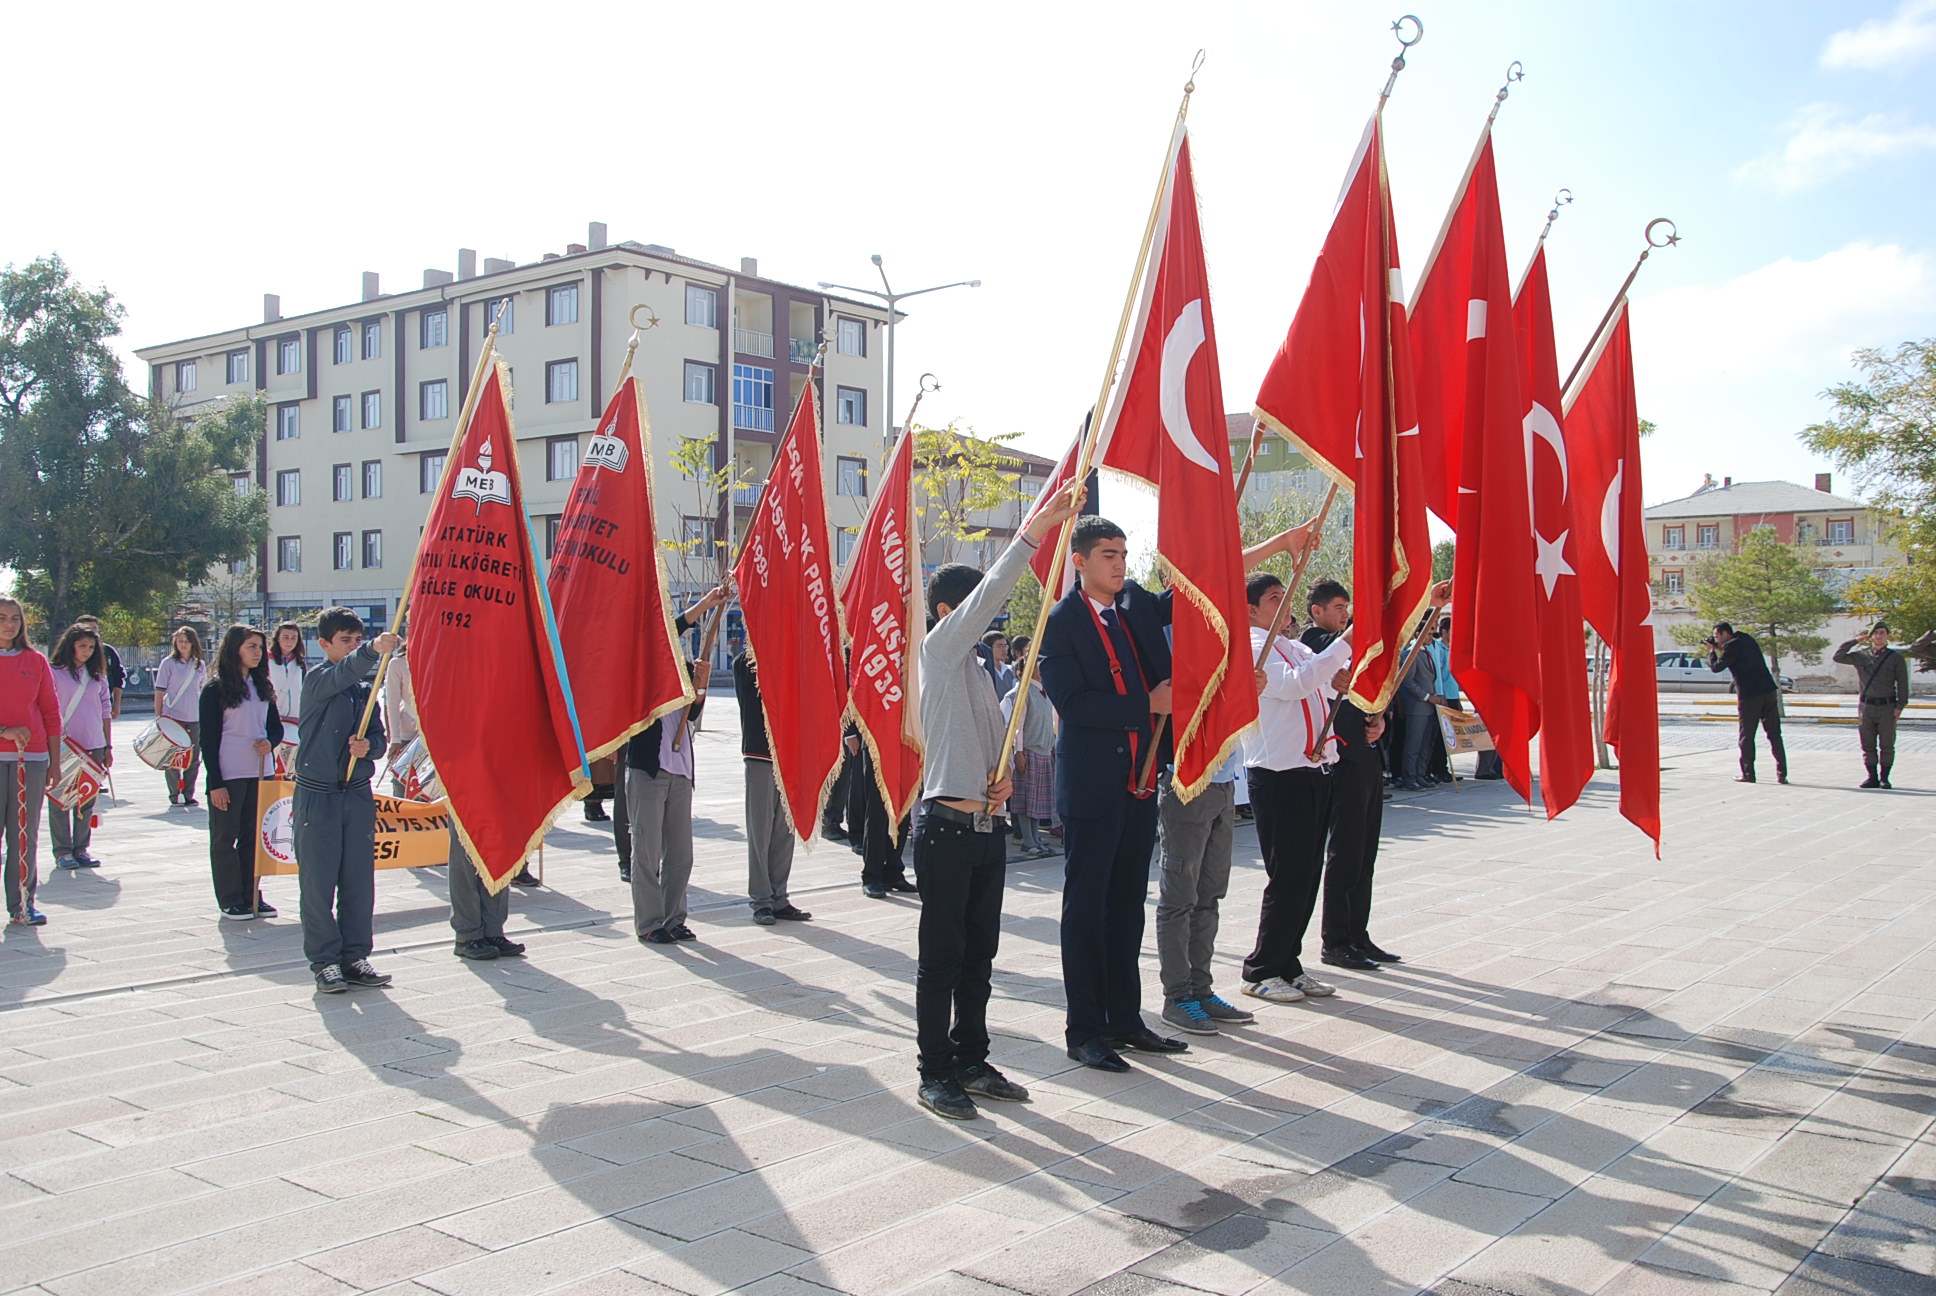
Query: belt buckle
[983,822]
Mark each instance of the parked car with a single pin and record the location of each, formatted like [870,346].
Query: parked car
[1680,670]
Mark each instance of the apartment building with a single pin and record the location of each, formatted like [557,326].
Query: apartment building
[364,398]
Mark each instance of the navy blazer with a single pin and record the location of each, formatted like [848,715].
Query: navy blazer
[1092,765]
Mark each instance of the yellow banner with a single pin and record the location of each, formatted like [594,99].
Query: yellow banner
[409,834]
[1464,732]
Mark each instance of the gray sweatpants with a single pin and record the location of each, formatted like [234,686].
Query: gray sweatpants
[335,840]
[475,914]
[73,830]
[1196,838]
[769,842]
[660,808]
[23,868]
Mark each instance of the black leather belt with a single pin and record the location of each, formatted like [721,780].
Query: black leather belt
[977,821]
[1869,701]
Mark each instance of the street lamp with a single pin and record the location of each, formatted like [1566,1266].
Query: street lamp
[887,294]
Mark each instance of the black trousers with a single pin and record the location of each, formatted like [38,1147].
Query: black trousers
[961,874]
[842,796]
[1357,817]
[1105,888]
[874,828]
[231,844]
[1293,809]
[1764,710]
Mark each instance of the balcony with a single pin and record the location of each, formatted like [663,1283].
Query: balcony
[753,418]
[748,342]
[801,350]
[747,496]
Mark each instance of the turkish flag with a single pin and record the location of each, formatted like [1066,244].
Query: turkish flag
[481,662]
[1165,427]
[879,601]
[1056,570]
[1565,720]
[1471,415]
[1602,422]
[1340,389]
[785,576]
[608,585]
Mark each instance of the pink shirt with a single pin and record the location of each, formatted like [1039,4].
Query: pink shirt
[88,719]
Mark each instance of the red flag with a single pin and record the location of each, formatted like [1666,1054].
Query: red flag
[785,576]
[1166,427]
[1603,447]
[608,587]
[1471,411]
[1056,571]
[475,616]
[1565,721]
[880,608]
[1340,389]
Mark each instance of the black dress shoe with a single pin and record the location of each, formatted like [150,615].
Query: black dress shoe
[1346,957]
[1145,1040]
[1744,778]
[904,886]
[595,813]
[872,891]
[1371,951]
[1095,1053]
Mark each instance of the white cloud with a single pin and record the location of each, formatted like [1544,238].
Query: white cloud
[1903,37]
[1824,142]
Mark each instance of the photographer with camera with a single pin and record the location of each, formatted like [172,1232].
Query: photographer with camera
[1757,697]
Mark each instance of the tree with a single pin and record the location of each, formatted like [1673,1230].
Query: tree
[107,498]
[701,557]
[1294,507]
[1767,589]
[1882,431]
[1442,554]
[957,475]
[228,595]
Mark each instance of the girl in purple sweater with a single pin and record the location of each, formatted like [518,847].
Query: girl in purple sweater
[87,710]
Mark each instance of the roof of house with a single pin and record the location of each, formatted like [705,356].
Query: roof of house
[1749,499]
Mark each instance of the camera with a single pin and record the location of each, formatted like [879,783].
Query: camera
[1709,641]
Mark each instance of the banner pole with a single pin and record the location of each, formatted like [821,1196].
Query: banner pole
[1297,574]
[1250,457]
[1673,237]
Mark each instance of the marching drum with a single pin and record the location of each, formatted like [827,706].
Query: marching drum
[164,745]
[413,769]
[81,780]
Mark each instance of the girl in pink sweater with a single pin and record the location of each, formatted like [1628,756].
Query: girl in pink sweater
[30,733]
[87,712]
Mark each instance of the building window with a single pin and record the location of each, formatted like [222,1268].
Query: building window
[702,306]
[850,476]
[851,406]
[1675,582]
[242,483]
[433,400]
[551,534]
[699,383]
[430,471]
[1708,535]
[501,311]
[561,304]
[373,409]
[238,366]
[345,346]
[288,422]
[752,398]
[372,548]
[342,483]
[561,381]
[435,329]
[289,487]
[561,458]
[844,541]
[343,551]
[697,534]
[289,356]
[851,337]
[372,339]
[1674,537]
[1030,488]
[1841,530]
[339,414]
[289,553]
[372,479]
[185,376]
[1263,447]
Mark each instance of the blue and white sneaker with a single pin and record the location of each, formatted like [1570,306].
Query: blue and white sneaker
[1189,1015]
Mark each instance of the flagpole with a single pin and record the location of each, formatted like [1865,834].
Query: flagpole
[1079,480]
[1561,199]
[558,656]
[1250,458]
[471,397]
[1515,72]
[1673,237]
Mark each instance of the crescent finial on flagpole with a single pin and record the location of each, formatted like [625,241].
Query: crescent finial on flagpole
[651,317]
[1561,198]
[1673,234]
[1405,43]
[1196,66]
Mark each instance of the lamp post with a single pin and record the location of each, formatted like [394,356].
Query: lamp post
[887,294]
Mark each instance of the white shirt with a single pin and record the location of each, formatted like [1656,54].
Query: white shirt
[285,677]
[1295,703]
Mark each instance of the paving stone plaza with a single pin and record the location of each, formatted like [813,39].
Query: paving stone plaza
[1713,1074]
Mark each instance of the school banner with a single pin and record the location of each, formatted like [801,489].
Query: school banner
[1464,732]
[409,834]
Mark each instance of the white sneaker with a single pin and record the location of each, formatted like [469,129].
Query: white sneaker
[1275,989]
[1313,987]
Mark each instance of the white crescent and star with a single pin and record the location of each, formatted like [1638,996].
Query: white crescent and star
[1551,563]
[1185,339]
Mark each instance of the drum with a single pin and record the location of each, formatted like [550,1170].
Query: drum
[164,745]
[286,755]
[414,770]
[81,780]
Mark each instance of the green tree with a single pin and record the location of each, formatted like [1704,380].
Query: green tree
[1025,604]
[957,475]
[700,557]
[105,497]
[1288,508]
[1442,554]
[1882,431]
[1765,589]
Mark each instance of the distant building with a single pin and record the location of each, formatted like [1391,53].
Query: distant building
[1280,467]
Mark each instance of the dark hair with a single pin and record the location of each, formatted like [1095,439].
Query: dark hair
[335,620]
[229,674]
[194,642]
[950,584]
[1018,647]
[1257,585]
[1880,625]
[63,655]
[300,656]
[992,636]
[1325,593]
[1091,531]
[20,641]
[1722,627]
[87,616]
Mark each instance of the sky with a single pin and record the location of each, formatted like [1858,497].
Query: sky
[192,157]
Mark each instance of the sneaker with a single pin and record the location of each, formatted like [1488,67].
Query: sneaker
[525,878]
[684,933]
[31,918]
[174,798]
[237,913]
[1312,987]
[191,803]
[85,860]
[982,1080]
[263,909]
[67,862]
[792,913]
[360,973]
[1188,1015]
[764,917]
[481,950]
[946,1097]
[1218,1010]
[507,948]
[625,875]
[657,936]
[1275,989]
[329,980]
